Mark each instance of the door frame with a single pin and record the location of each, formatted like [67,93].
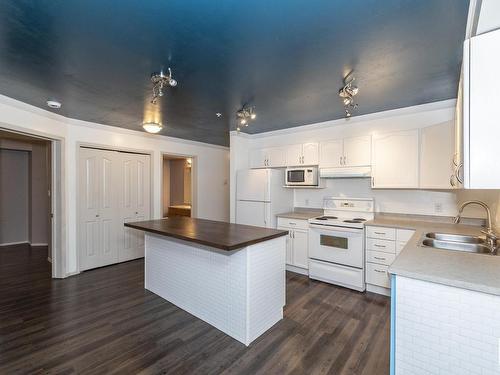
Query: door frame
[58,232]
[194,181]
[104,147]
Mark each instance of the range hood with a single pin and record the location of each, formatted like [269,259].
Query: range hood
[345,172]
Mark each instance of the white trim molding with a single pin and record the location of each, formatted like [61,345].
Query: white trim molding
[434,106]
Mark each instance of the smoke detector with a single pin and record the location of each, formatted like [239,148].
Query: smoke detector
[54,104]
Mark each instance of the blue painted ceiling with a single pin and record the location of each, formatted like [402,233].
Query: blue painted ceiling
[285,57]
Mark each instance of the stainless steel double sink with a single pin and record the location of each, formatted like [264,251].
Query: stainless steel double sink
[457,242]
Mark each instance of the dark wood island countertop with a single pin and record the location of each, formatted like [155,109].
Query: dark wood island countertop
[217,234]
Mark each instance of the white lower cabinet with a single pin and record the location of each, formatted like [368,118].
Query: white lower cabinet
[297,252]
[382,245]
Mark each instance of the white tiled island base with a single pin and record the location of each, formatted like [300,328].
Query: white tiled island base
[440,329]
[242,292]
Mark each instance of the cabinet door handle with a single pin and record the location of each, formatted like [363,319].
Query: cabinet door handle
[452,180]
[457,173]
[378,271]
[97,215]
[292,223]
[376,245]
[373,181]
[381,233]
[345,160]
[378,258]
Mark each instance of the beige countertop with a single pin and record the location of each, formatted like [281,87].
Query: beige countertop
[478,272]
[301,214]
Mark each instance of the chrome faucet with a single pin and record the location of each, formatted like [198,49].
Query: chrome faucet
[491,236]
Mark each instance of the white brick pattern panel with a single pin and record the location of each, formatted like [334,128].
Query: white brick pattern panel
[241,293]
[266,287]
[445,330]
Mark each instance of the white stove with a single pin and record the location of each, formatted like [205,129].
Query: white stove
[336,242]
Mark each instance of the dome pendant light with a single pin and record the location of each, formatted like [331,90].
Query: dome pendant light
[152,127]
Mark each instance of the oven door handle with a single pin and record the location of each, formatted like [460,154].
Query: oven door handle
[330,228]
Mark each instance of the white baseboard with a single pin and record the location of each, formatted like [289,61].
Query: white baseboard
[378,289]
[295,269]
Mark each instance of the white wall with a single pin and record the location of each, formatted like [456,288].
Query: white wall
[14,196]
[489,16]
[39,199]
[394,201]
[166,186]
[212,162]
[239,145]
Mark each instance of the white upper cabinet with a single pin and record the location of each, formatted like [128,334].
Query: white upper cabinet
[272,157]
[481,111]
[310,153]
[331,153]
[395,160]
[258,158]
[348,152]
[276,157]
[302,154]
[357,151]
[436,156]
[294,155]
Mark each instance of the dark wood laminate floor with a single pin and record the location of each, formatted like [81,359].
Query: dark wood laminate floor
[104,322]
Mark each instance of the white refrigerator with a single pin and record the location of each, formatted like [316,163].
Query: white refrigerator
[260,196]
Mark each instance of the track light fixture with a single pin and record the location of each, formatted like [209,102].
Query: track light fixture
[244,116]
[347,94]
[160,81]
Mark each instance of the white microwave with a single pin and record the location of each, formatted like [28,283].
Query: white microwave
[301,176]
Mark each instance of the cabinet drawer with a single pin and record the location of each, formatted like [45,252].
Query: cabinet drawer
[293,223]
[403,235]
[383,233]
[377,275]
[337,274]
[385,246]
[380,258]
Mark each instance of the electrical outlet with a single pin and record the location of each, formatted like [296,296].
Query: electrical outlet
[438,207]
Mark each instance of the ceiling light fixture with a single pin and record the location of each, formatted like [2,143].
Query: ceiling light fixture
[160,81]
[54,104]
[244,116]
[152,127]
[347,94]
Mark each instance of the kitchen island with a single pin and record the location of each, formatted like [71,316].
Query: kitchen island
[229,275]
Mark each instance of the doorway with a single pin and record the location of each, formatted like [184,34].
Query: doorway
[178,185]
[25,201]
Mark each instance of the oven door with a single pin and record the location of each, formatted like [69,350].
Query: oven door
[337,245]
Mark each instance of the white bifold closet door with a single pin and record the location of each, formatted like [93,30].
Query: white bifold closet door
[114,188]
[134,203]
